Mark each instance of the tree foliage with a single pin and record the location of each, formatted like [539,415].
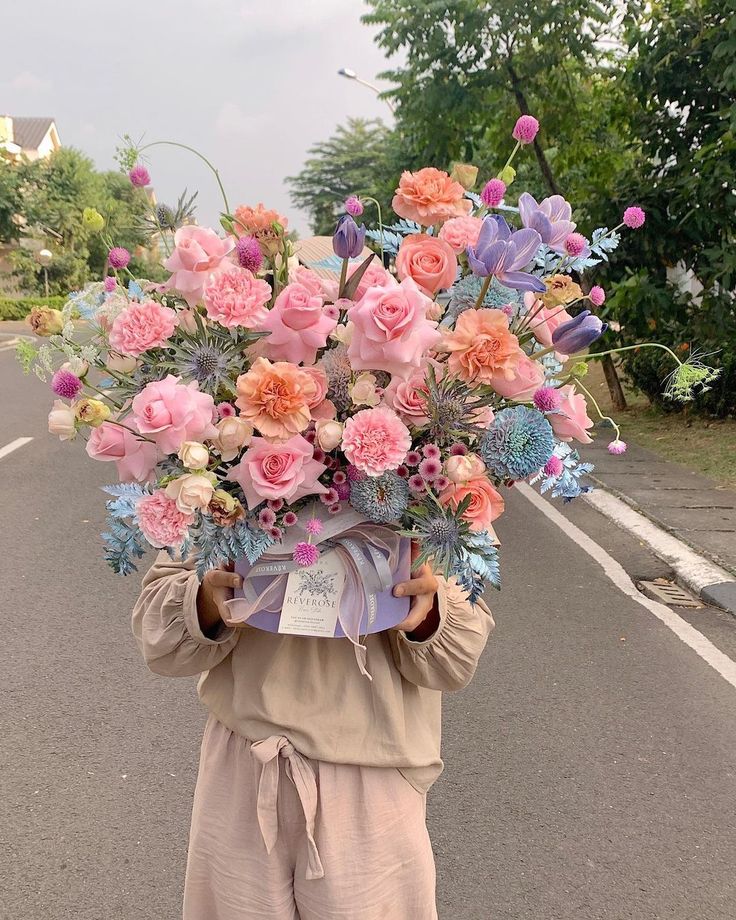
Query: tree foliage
[361,157]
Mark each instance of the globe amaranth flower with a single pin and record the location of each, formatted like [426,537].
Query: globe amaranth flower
[578,334]
[354,206]
[546,399]
[617,447]
[518,443]
[501,252]
[525,129]
[118,257]
[383,499]
[551,218]
[576,245]
[493,192]
[139,176]
[348,238]
[634,217]
[110,283]
[249,253]
[66,384]
[597,296]
[305,554]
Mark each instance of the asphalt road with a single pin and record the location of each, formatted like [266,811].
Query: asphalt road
[590,765]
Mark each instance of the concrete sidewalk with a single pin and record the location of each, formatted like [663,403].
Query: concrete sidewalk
[691,507]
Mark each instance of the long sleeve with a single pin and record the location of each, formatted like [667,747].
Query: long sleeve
[448,659]
[166,626]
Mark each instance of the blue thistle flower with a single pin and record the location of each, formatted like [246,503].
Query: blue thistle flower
[381,498]
[518,443]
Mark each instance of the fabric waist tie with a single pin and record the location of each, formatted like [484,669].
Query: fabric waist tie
[268,752]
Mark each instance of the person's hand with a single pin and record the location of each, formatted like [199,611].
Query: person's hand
[423,618]
[217,586]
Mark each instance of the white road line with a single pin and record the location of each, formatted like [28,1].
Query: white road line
[14,445]
[9,345]
[681,628]
[692,568]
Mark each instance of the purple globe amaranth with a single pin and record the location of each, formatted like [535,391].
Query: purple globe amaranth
[578,334]
[502,252]
[551,218]
[348,238]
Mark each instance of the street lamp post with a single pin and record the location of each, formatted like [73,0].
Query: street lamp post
[350,74]
[44,258]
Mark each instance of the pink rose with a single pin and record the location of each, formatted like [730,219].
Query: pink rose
[308,279]
[528,377]
[428,261]
[407,397]
[374,276]
[391,331]
[485,502]
[460,232]
[162,523]
[198,251]
[572,419]
[319,405]
[272,471]
[142,326]
[235,297]
[544,320]
[375,440]
[298,325]
[135,458]
[169,412]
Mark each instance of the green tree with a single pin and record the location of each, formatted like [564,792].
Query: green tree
[361,157]
[10,201]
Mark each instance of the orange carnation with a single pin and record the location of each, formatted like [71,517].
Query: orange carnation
[275,398]
[429,196]
[258,222]
[481,347]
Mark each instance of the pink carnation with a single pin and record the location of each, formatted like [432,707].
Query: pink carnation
[135,458]
[198,251]
[142,326]
[391,330]
[235,297]
[170,412]
[271,471]
[375,440]
[298,325]
[161,521]
[461,232]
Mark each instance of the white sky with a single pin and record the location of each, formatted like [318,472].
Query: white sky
[251,83]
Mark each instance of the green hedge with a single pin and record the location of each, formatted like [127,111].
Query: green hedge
[20,307]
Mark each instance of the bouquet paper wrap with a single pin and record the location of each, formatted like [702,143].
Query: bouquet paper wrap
[373,558]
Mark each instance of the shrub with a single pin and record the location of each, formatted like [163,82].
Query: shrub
[20,307]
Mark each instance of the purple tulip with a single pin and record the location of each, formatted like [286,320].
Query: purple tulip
[580,332]
[550,218]
[501,252]
[348,238]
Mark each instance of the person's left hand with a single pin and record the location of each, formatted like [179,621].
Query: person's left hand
[422,588]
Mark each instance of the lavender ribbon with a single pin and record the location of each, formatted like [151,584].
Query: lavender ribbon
[369,554]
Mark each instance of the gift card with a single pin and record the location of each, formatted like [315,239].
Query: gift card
[312,598]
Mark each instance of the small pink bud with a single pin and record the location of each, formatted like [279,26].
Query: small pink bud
[597,296]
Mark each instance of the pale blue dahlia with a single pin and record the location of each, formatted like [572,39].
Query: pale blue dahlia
[383,499]
[518,443]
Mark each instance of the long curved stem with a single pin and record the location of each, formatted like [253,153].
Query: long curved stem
[603,418]
[612,351]
[201,157]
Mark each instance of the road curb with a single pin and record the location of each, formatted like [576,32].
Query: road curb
[693,568]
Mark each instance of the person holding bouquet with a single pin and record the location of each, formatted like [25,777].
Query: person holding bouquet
[311,796]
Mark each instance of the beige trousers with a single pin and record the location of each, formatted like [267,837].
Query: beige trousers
[276,836]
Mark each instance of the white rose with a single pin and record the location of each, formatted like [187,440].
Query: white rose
[464,468]
[343,333]
[329,433]
[191,492]
[194,455]
[363,391]
[123,364]
[61,421]
[75,366]
[233,433]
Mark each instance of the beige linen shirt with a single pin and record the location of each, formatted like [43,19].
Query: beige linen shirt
[260,684]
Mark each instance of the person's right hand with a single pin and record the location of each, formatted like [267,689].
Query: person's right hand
[217,586]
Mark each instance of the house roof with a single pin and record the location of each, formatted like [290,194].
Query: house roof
[316,252]
[29,132]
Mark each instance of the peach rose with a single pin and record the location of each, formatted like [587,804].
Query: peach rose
[485,503]
[429,196]
[482,350]
[275,398]
[461,232]
[572,420]
[191,492]
[194,455]
[233,433]
[528,377]
[329,433]
[363,391]
[62,421]
[428,261]
[463,468]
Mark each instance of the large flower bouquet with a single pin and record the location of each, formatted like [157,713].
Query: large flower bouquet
[413,385]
